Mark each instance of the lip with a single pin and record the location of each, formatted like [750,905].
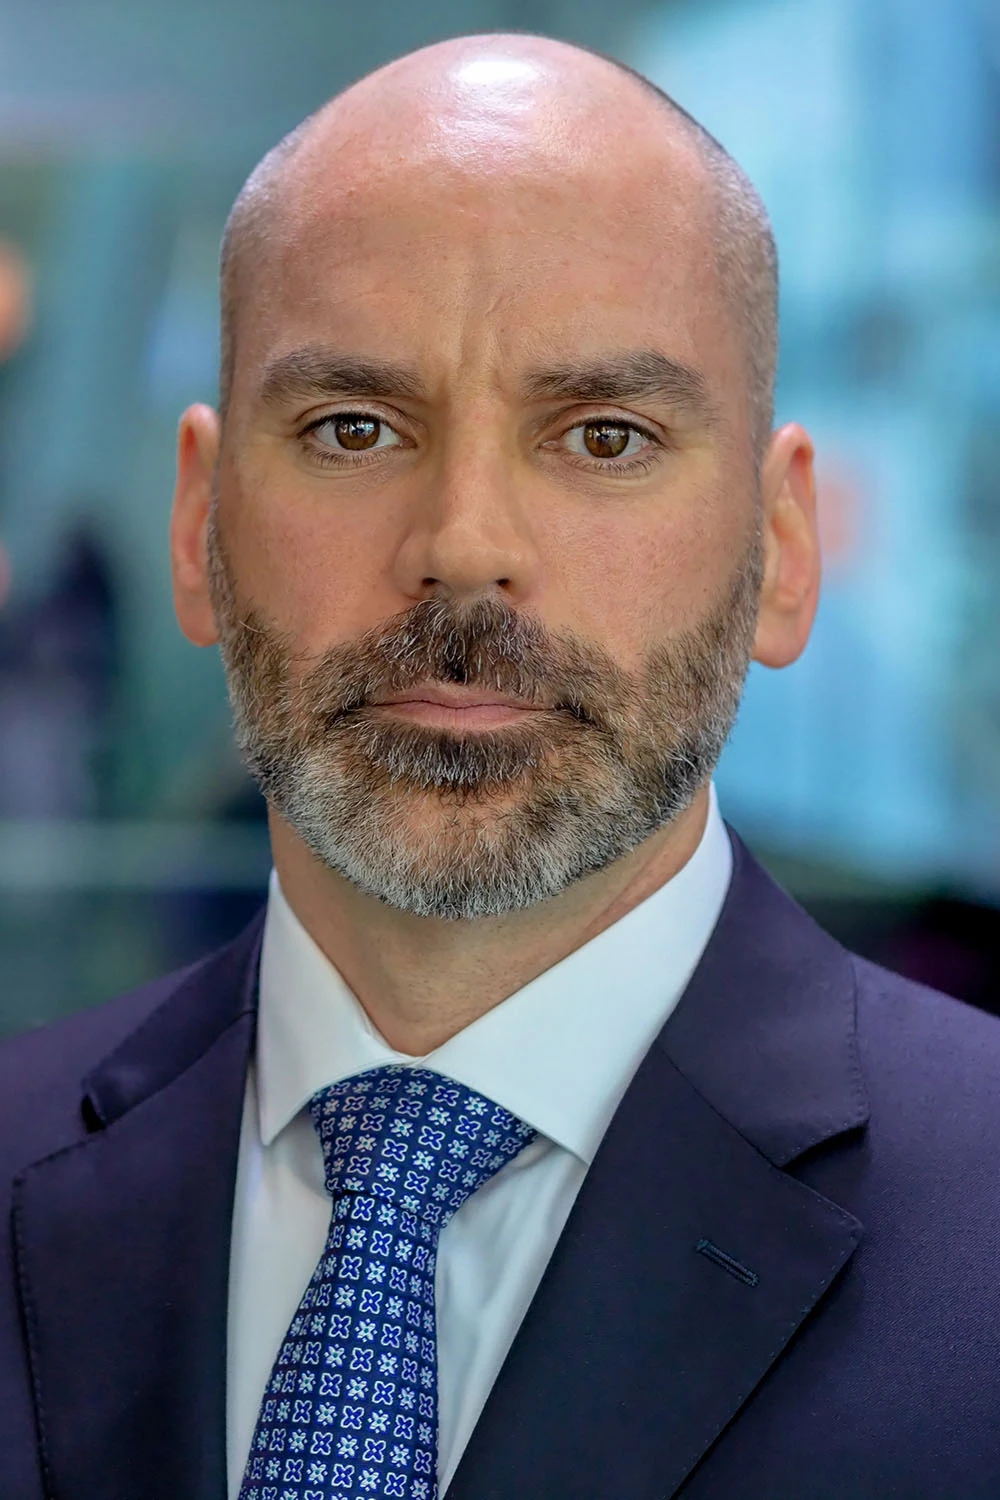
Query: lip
[455,707]
[454,697]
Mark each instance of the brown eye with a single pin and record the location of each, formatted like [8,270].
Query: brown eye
[606,439]
[345,432]
[357,432]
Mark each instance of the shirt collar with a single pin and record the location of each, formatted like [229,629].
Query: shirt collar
[558,1053]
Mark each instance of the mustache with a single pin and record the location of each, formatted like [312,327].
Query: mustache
[484,643]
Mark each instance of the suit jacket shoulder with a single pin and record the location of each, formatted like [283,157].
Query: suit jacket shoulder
[931,1066]
[118,1139]
[43,1071]
[908,1029]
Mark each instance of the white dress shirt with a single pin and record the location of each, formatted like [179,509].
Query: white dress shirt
[558,1053]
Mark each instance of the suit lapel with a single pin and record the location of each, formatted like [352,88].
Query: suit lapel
[123,1252]
[691,1257]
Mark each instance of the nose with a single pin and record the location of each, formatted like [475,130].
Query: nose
[467,531]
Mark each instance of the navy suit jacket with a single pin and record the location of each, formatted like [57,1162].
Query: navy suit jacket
[779,1280]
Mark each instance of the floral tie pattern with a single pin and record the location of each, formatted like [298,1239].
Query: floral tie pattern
[350,1409]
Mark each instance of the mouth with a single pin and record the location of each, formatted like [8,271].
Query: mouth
[456,707]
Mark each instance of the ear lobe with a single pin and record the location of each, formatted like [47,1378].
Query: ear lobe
[790,591]
[197,452]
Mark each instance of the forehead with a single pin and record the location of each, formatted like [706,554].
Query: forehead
[449,258]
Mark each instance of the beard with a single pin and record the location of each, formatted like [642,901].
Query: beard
[451,825]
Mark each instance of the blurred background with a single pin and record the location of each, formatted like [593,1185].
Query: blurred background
[867,777]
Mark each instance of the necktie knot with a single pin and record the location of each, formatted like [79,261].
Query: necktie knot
[412,1138]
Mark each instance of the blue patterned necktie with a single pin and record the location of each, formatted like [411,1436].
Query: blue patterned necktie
[350,1409]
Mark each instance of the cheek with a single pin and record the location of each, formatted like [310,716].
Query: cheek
[635,576]
[312,567]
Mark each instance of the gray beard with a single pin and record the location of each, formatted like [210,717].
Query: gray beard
[510,817]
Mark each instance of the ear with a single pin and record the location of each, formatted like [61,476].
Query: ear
[790,591]
[197,451]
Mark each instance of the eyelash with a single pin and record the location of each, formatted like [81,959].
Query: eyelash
[330,458]
[640,464]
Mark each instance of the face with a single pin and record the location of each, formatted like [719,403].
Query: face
[486,546]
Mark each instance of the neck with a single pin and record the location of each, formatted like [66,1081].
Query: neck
[420,979]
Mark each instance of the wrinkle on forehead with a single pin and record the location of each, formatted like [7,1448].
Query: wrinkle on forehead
[447,252]
[491,206]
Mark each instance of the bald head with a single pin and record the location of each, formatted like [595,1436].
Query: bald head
[488,103]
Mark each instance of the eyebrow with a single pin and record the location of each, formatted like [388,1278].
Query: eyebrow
[641,374]
[311,373]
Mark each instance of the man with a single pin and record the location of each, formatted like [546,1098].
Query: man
[535,1143]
